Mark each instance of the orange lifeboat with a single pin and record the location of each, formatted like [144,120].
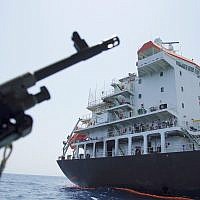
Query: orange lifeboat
[77,137]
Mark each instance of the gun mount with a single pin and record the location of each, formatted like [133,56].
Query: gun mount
[15,98]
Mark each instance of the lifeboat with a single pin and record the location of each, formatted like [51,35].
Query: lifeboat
[77,137]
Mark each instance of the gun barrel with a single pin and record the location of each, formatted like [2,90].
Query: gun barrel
[75,58]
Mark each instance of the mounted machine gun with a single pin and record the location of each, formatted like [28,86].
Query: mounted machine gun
[15,98]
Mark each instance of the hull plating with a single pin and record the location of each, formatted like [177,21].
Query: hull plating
[169,173]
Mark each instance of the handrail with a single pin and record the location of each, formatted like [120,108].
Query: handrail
[129,114]
[181,147]
[139,150]
[150,59]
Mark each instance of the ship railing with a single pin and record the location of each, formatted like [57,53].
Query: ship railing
[112,154]
[143,127]
[150,59]
[154,125]
[90,140]
[123,115]
[128,114]
[154,149]
[109,154]
[141,111]
[86,117]
[154,108]
[89,155]
[107,93]
[113,133]
[95,102]
[137,150]
[180,147]
[115,81]
[99,105]
[122,152]
[120,85]
[86,121]
[112,92]
[191,126]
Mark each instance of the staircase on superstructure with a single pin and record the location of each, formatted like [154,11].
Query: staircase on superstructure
[193,136]
[122,103]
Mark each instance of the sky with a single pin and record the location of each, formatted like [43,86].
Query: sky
[36,33]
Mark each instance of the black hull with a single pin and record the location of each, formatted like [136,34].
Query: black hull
[172,173]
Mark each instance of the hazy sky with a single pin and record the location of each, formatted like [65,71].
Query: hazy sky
[36,33]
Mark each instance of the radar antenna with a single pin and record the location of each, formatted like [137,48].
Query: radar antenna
[170,45]
[170,42]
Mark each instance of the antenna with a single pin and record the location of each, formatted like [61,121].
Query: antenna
[89,97]
[170,45]
[170,42]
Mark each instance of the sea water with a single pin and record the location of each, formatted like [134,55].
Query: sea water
[15,186]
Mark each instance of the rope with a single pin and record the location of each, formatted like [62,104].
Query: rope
[6,156]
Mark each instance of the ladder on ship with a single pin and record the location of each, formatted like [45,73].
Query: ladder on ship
[67,144]
[195,138]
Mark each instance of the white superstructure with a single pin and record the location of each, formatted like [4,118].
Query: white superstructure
[156,111]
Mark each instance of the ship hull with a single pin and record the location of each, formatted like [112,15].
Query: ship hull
[166,173]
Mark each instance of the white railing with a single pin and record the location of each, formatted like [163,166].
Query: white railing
[156,124]
[108,93]
[87,117]
[143,127]
[95,102]
[180,147]
[137,150]
[112,92]
[191,126]
[115,81]
[150,59]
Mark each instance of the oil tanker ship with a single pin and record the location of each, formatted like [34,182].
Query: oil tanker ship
[144,134]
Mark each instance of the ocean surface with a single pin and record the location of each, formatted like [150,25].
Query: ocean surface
[29,187]
[15,186]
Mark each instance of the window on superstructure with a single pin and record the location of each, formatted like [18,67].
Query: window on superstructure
[183,106]
[181,88]
[161,73]
[180,72]
[162,89]
[139,96]
[139,81]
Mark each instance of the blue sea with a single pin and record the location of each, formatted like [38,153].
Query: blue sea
[29,187]
[15,186]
